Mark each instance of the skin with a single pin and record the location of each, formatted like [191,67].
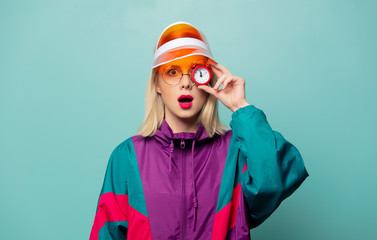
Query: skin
[232,94]
[178,118]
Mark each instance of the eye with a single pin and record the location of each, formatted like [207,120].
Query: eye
[172,72]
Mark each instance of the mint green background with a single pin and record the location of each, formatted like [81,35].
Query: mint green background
[72,84]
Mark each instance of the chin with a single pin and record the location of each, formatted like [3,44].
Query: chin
[187,115]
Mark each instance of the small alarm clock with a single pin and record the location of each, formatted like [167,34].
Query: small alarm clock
[201,73]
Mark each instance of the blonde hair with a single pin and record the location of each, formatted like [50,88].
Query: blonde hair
[155,111]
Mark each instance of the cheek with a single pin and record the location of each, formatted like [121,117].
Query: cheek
[167,95]
[202,97]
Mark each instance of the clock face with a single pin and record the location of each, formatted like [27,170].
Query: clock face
[201,75]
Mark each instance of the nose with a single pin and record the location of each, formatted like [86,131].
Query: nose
[186,81]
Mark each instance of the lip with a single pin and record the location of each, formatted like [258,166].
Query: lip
[185,96]
[185,104]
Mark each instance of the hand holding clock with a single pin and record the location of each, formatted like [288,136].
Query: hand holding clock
[232,94]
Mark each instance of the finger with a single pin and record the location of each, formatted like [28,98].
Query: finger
[224,69]
[208,89]
[227,81]
[219,82]
[215,65]
[217,72]
[212,62]
[215,68]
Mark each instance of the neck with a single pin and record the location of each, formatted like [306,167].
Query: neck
[182,125]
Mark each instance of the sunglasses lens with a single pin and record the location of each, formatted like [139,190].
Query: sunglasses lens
[172,74]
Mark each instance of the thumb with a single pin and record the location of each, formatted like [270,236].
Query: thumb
[208,89]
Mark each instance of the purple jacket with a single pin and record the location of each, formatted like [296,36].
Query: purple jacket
[190,186]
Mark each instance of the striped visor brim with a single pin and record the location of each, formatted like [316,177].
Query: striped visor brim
[180,48]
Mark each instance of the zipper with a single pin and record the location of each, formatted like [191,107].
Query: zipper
[183,145]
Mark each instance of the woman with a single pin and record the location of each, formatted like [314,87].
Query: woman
[184,175]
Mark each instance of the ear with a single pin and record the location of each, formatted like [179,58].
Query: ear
[158,89]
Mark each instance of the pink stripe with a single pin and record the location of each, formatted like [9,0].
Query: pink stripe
[138,226]
[111,207]
[235,203]
[220,228]
[244,168]
[225,219]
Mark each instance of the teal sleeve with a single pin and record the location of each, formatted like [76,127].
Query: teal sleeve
[111,219]
[275,168]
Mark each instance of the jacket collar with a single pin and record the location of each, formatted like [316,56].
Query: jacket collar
[165,133]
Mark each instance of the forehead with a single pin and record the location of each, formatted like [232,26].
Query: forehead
[185,63]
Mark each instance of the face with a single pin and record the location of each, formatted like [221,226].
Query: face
[174,109]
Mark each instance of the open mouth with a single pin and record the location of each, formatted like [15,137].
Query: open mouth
[185,99]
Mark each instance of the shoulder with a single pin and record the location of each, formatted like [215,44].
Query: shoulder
[125,146]
[131,142]
[223,140]
[227,134]
[138,138]
[125,150]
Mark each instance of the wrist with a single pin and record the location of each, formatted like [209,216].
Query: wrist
[243,104]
